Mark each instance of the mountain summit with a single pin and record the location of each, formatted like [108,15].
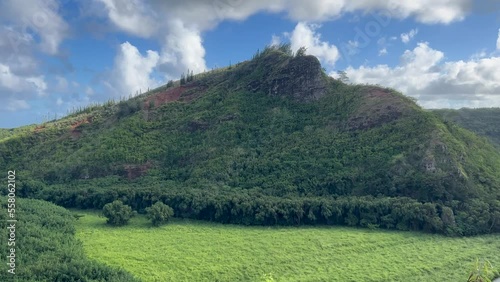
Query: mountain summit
[272,140]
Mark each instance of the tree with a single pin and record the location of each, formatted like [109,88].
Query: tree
[183,79]
[118,213]
[343,76]
[301,52]
[159,213]
[170,83]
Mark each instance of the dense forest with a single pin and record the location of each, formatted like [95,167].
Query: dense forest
[484,122]
[45,247]
[272,140]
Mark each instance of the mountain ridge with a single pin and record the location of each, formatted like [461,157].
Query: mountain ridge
[273,134]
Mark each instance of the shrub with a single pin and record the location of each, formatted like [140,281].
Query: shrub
[159,213]
[117,213]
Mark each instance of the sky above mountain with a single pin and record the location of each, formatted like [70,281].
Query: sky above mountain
[58,55]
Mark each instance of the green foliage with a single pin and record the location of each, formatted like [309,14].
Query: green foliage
[233,149]
[117,213]
[170,83]
[46,249]
[343,76]
[202,251]
[484,122]
[481,272]
[128,107]
[183,79]
[301,52]
[159,213]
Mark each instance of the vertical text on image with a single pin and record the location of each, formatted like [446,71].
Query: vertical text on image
[11,220]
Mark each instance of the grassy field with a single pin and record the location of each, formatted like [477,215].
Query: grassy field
[198,251]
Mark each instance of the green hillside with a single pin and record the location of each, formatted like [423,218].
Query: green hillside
[484,122]
[45,248]
[272,140]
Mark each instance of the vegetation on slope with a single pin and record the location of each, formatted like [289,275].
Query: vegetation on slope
[200,251]
[484,122]
[273,140]
[46,249]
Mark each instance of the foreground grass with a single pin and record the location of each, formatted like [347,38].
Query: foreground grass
[198,251]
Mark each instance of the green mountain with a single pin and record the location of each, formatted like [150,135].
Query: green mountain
[272,140]
[484,122]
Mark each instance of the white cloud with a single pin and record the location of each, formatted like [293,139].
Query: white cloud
[382,52]
[132,71]
[498,40]
[171,22]
[89,91]
[407,37]
[14,83]
[15,105]
[275,40]
[423,74]
[39,16]
[352,47]
[305,35]
[38,83]
[426,11]
[133,16]
[62,84]
[59,101]
[183,49]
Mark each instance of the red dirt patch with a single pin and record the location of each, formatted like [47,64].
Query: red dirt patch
[377,93]
[75,131]
[174,94]
[39,128]
[164,97]
[75,124]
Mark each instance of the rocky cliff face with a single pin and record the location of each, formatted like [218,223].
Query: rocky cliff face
[300,77]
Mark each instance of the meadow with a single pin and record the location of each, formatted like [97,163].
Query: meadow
[188,250]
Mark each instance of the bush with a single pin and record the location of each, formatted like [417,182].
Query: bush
[117,213]
[159,213]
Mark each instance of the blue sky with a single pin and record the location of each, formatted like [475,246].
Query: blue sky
[56,55]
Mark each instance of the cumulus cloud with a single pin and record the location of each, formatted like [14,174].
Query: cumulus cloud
[133,16]
[382,52]
[27,28]
[425,11]
[15,89]
[275,40]
[423,74]
[306,35]
[407,37]
[17,84]
[171,22]
[132,71]
[40,16]
[183,49]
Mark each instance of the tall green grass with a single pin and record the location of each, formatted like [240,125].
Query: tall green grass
[186,250]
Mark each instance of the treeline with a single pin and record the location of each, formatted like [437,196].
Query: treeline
[45,247]
[252,207]
[484,122]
